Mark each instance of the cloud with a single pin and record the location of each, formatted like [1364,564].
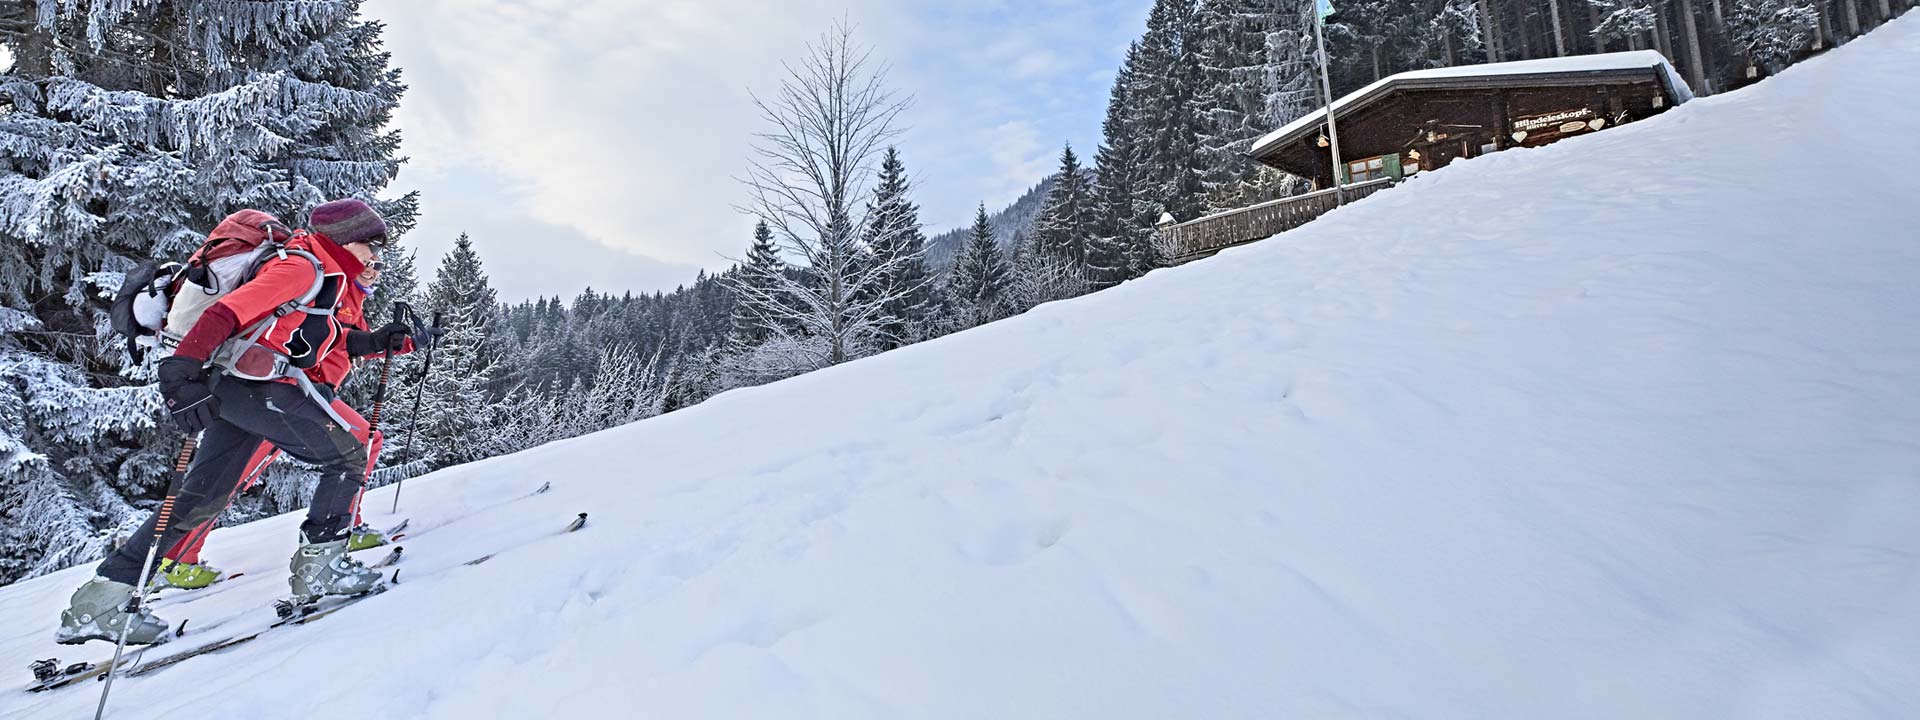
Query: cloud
[623,125]
[1019,159]
[524,256]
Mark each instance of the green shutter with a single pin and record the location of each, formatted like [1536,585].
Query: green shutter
[1392,164]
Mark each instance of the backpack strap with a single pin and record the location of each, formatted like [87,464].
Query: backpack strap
[229,353]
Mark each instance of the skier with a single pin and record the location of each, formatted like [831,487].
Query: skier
[294,410]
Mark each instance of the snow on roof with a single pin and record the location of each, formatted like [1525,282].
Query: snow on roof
[1630,60]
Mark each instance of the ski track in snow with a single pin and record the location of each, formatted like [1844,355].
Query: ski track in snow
[1623,426]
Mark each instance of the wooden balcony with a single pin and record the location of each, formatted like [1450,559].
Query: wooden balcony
[1200,237]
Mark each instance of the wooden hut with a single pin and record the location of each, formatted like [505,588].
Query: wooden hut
[1424,119]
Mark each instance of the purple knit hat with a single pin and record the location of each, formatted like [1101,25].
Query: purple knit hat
[348,221]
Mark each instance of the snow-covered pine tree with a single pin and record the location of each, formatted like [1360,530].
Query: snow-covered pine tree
[1256,72]
[1116,251]
[466,380]
[764,270]
[1443,34]
[1163,92]
[1771,33]
[1230,41]
[131,129]
[1631,21]
[1361,37]
[828,123]
[1066,222]
[893,236]
[977,282]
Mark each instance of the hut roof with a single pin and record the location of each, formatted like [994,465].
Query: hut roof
[1522,73]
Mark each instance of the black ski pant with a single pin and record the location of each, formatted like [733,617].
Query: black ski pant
[279,413]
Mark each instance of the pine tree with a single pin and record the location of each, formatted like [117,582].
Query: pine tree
[1255,73]
[1115,249]
[1066,222]
[1624,20]
[893,237]
[977,283]
[132,129]
[1163,92]
[764,271]
[1772,32]
[466,379]
[1230,98]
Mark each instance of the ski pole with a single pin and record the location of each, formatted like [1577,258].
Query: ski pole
[400,313]
[161,518]
[406,454]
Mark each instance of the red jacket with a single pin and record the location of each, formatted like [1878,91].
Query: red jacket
[315,342]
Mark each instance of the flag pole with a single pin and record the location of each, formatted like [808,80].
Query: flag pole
[1321,9]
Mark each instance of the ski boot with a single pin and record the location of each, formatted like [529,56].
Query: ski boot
[186,576]
[98,611]
[363,536]
[321,569]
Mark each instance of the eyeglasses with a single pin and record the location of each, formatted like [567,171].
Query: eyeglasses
[376,266]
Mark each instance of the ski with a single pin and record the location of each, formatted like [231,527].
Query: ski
[579,521]
[391,558]
[49,675]
[289,613]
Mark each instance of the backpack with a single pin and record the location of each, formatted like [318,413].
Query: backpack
[159,302]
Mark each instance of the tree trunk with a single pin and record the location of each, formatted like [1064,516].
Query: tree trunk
[1526,39]
[1853,17]
[1886,10]
[1559,33]
[1662,33]
[1696,69]
[1490,31]
[1376,62]
[1824,39]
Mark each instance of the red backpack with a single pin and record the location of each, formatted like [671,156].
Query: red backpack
[159,302]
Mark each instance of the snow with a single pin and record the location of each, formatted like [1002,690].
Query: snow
[1628,60]
[1509,441]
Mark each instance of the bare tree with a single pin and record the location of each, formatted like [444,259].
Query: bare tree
[831,118]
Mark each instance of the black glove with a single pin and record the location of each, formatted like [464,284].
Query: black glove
[187,386]
[391,337]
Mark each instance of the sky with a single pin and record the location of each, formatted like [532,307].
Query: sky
[598,143]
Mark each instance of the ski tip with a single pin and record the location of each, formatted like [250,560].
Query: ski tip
[577,523]
[395,580]
[182,630]
[545,486]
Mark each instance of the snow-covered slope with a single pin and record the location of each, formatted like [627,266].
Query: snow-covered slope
[1626,426]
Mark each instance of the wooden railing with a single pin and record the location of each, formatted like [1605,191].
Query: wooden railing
[1200,237]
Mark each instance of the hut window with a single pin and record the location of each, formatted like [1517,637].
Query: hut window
[1372,168]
